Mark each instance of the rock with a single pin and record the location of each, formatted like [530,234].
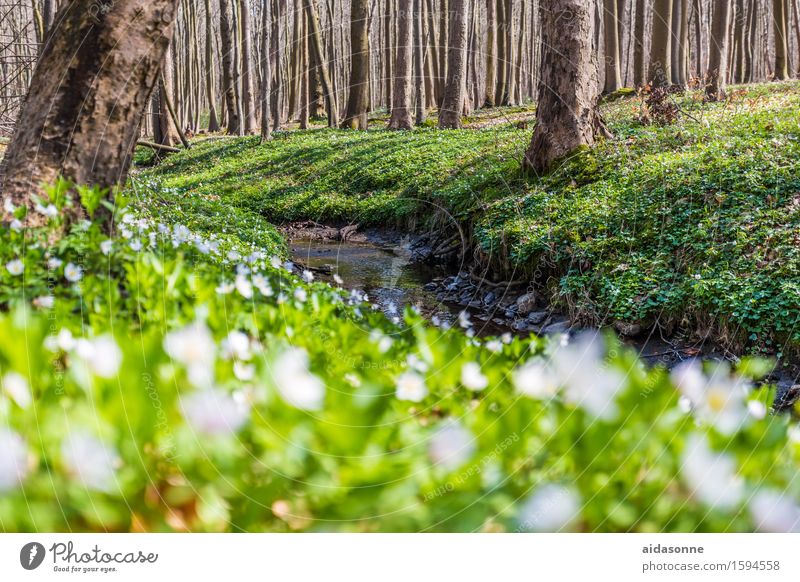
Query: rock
[558,327]
[537,317]
[628,329]
[527,303]
[521,325]
[489,298]
[786,397]
[475,304]
[431,286]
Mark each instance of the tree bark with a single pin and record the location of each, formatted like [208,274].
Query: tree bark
[213,120]
[248,105]
[358,100]
[781,29]
[660,73]
[455,87]
[319,53]
[718,51]
[266,69]
[567,116]
[491,52]
[639,64]
[228,69]
[403,68]
[84,107]
[612,48]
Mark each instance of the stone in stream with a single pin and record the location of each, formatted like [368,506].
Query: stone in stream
[537,317]
[527,303]
[557,327]
[521,325]
[431,286]
[628,329]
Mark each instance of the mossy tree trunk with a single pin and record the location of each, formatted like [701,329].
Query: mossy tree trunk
[567,116]
[86,99]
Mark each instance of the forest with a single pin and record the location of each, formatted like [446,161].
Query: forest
[400,266]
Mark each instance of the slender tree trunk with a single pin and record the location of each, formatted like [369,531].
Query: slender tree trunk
[491,52]
[567,117]
[781,29]
[403,68]
[248,104]
[718,51]
[213,121]
[319,53]
[661,49]
[111,61]
[639,64]
[266,69]
[165,131]
[455,88]
[612,49]
[419,62]
[228,69]
[358,101]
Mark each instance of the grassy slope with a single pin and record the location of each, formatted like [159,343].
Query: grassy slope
[696,221]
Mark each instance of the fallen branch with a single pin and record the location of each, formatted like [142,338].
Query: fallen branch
[157,146]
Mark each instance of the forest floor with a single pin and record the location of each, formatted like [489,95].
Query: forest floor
[692,225]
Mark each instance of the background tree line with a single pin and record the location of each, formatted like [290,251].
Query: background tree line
[232,61]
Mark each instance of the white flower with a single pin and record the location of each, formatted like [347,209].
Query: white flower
[337,279]
[16,225]
[300,295]
[194,347]
[244,287]
[275,262]
[106,246]
[718,399]
[308,276]
[50,211]
[472,378]
[54,263]
[536,379]
[793,434]
[102,355]
[295,383]
[775,512]
[15,267]
[711,476]
[244,372]
[463,320]
[65,341]
[13,460]
[17,389]
[416,363]
[214,412]
[495,346]
[136,245]
[73,272]
[90,460]
[551,508]
[352,379]
[451,446]
[44,302]
[757,409]
[225,288]
[237,345]
[411,387]
[8,205]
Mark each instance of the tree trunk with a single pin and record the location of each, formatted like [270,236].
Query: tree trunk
[164,128]
[403,69]
[612,49]
[228,69]
[456,86]
[248,104]
[358,101]
[639,64]
[718,51]
[266,69]
[419,62]
[567,116]
[110,59]
[319,53]
[781,29]
[213,121]
[491,52]
[660,73]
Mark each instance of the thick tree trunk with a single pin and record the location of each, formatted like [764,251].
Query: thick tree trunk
[401,99]
[567,116]
[660,73]
[228,69]
[358,100]
[456,86]
[612,48]
[84,107]
[718,51]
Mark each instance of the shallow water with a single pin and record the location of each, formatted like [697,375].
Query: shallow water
[389,277]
